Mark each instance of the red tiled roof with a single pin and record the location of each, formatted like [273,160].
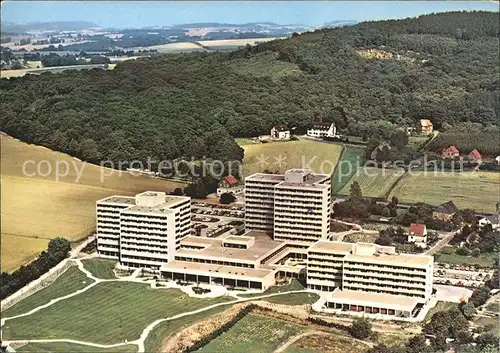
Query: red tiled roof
[452,149]
[475,153]
[231,180]
[425,122]
[417,229]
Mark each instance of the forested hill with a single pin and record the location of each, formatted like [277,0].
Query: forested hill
[368,77]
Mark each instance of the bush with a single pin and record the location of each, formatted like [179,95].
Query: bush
[462,251]
[226,198]
[361,328]
[199,290]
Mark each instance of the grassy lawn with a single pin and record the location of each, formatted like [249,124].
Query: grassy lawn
[294,299]
[486,259]
[156,337]
[65,347]
[71,280]
[64,208]
[392,340]
[254,333]
[293,285]
[374,182]
[108,313]
[360,237]
[326,344]
[242,141]
[320,156]
[100,268]
[417,142]
[440,306]
[347,167]
[478,191]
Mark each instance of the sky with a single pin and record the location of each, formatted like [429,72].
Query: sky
[126,14]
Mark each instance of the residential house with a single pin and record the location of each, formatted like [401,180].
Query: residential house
[445,211]
[322,129]
[280,132]
[493,220]
[498,160]
[450,152]
[426,126]
[475,156]
[231,185]
[418,234]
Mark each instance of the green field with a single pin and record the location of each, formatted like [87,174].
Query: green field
[254,333]
[108,313]
[280,156]
[487,259]
[374,182]
[264,65]
[294,299]
[348,164]
[100,268]
[331,343]
[157,336]
[474,190]
[71,280]
[65,347]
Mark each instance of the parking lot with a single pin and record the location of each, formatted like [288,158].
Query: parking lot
[462,276]
[217,221]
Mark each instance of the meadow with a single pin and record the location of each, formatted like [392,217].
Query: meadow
[280,156]
[100,268]
[326,344]
[38,208]
[348,164]
[254,333]
[374,182]
[64,347]
[474,190]
[107,313]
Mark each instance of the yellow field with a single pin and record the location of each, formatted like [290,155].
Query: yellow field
[36,209]
[280,156]
[479,190]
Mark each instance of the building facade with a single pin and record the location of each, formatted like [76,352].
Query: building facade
[147,229]
[418,234]
[280,132]
[322,129]
[295,207]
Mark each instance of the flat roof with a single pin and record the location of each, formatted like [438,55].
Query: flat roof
[332,246]
[121,200]
[372,299]
[266,177]
[213,248]
[152,210]
[215,269]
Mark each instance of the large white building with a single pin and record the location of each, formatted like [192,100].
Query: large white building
[295,207]
[322,129]
[144,231]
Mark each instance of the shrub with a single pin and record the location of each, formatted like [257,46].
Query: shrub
[227,198]
[361,328]
[462,251]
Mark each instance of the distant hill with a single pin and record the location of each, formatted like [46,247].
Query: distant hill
[333,24]
[47,26]
[369,78]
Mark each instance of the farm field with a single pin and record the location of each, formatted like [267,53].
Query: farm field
[100,268]
[104,314]
[71,280]
[65,347]
[326,344]
[64,208]
[320,156]
[374,182]
[254,333]
[347,167]
[474,190]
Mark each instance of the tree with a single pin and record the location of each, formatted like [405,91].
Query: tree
[463,251]
[464,337]
[177,192]
[355,192]
[399,139]
[486,339]
[361,328]
[59,246]
[417,344]
[384,239]
[227,198]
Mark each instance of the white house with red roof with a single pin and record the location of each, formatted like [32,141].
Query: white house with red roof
[418,234]
[231,185]
[451,152]
[475,156]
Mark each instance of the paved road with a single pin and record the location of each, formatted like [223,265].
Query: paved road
[440,244]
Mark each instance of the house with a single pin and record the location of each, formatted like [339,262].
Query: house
[493,220]
[450,152]
[475,156]
[426,126]
[231,185]
[280,132]
[418,234]
[498,160]
[445,211]
[322,129]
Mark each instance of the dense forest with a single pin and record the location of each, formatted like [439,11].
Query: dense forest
[381,75]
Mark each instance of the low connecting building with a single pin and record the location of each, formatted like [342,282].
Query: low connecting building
[294,207]
[142,231]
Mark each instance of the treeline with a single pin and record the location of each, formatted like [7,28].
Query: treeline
[487,143]
[194,104]
[56,252]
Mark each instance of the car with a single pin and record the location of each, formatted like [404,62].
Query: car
[460,284]
[448,282]
[446,266]
[457,276]
[467,268]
